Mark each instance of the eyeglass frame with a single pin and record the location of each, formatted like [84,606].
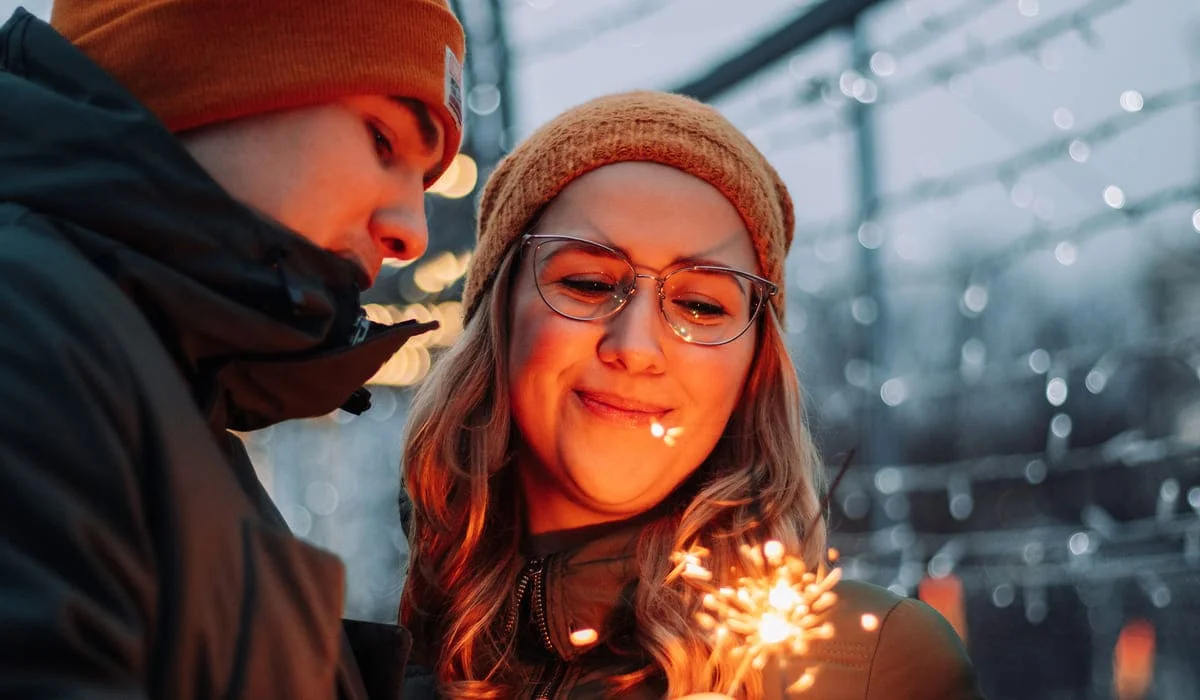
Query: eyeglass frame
[766,288]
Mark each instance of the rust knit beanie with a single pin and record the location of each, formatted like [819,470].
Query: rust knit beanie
[197,62]
[638,126]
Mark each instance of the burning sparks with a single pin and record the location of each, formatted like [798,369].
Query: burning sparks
[667,435]
[773,612]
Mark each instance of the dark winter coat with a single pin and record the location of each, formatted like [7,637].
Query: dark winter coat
[911,654]
[143,314]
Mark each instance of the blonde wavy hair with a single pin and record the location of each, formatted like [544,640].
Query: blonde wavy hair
[762,479]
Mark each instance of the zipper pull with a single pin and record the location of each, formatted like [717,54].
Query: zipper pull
[362,325]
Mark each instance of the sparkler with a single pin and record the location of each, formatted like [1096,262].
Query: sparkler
[771,615]
[773,612]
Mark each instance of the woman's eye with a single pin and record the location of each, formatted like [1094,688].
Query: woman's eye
[586,286]
[383,145]
[697,310]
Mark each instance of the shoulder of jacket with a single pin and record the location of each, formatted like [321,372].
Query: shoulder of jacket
[916,653]
[49,275]
[880,618]
[34,254]
[887,645]
[57,300]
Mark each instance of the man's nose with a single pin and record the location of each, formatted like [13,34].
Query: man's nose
[399,226]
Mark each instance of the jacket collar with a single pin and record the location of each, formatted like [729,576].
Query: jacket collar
[265,326]
[590,578]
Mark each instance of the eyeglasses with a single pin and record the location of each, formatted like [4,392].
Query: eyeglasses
[588,281]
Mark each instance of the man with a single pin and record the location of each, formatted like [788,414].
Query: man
[192,195]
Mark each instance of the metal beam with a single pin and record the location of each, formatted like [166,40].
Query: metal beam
[811,24]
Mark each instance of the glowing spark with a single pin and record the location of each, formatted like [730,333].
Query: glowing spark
[804,682]
[668,435]
[773,612]
[773,629]
[869,622]
[583,637]
[690,565]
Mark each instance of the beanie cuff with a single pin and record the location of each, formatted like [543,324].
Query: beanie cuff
[195,62]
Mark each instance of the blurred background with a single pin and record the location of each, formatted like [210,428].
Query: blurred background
[994,296]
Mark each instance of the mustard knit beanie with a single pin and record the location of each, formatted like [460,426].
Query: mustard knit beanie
[657,127]
[197,62]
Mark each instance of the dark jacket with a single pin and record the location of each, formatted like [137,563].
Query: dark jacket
[912,653]
[143,313]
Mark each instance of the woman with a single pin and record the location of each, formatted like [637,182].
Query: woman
[621,391]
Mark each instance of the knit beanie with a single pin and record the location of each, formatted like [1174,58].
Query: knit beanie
[197,62]
[647,126]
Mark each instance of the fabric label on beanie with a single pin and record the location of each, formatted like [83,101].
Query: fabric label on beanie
[454,76]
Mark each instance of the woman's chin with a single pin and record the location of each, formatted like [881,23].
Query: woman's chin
[619,495]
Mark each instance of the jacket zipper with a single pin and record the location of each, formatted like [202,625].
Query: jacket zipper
[514,608]
[533,575]
[533,581]
[538,606]
[548,688]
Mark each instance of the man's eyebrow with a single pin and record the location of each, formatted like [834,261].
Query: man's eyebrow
[425,122]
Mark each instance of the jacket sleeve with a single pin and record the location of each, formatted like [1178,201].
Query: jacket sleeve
[76,584]
[920,656]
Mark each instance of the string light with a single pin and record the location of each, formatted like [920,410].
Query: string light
[412,362]
[953,70]
[1122,451]
[1063,118]
[1114,196]
[459,180]
[763,110]
[440,272]
[883,64]
[567,39]
[1078,148]
[1132,101]
[1034,239]
[1079,151]
[1103,362]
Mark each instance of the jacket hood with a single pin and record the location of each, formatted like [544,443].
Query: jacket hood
[265,326]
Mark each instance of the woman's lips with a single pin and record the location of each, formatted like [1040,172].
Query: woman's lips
[621,410]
